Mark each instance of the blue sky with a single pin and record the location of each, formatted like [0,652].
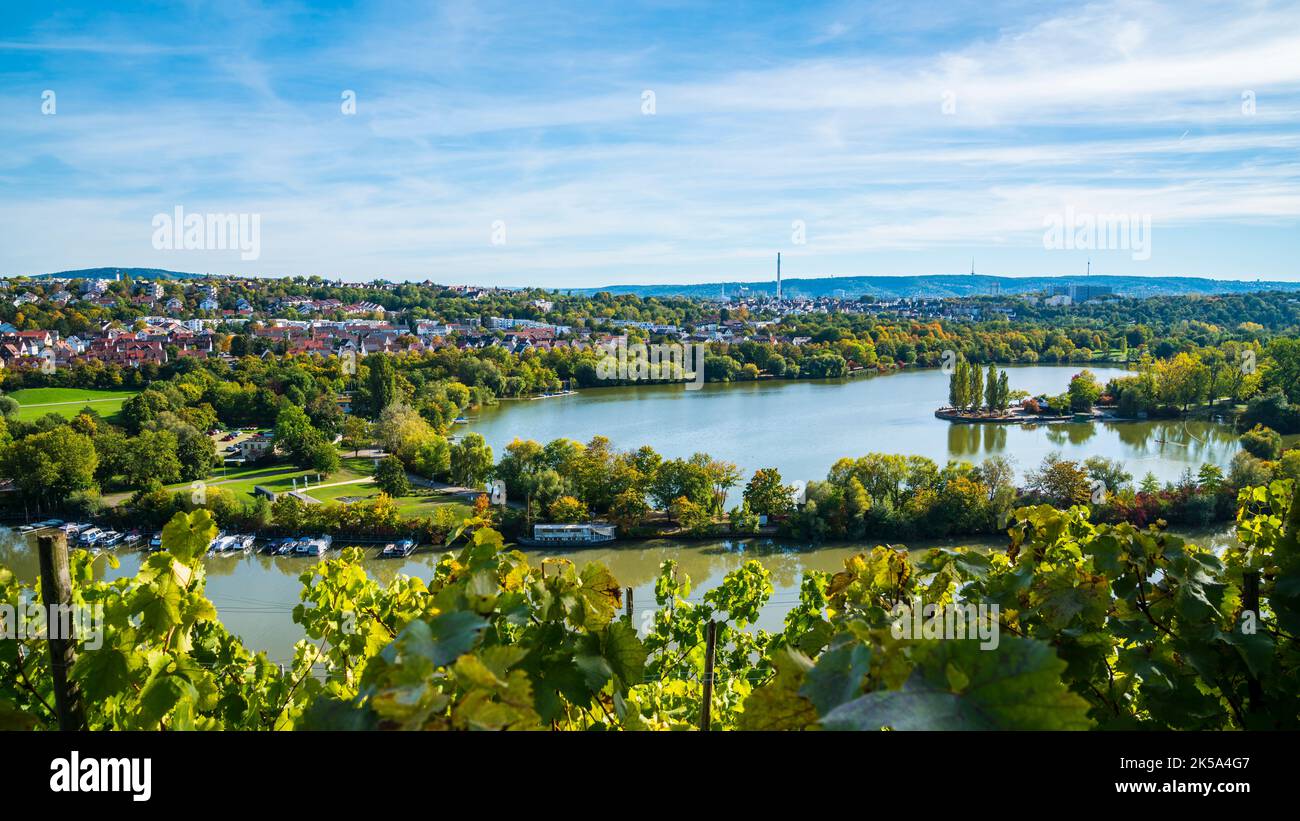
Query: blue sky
[901,137]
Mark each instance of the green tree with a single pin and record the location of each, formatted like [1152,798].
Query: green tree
[390,476]
[766,496]
[1263,443]
[151,455]
[976,393]
[959,384]
[293,431]
[569,510]
[319,454]
[471,461]
[356,434]
[381,382]
[682,478]
[433,458]
[52,465]
[1084,391]
[629,509]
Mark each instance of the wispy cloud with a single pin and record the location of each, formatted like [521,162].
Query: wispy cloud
[900,147]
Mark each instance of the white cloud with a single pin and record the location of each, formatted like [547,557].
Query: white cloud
[1084,109]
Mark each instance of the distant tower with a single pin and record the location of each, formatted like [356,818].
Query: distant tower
[1089,268]
[972,266]
[778,275]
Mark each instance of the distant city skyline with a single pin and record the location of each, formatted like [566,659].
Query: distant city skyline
[577,146]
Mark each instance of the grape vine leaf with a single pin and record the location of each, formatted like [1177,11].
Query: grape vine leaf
[102,673]
[778,704]
[329,713]
[624,652]
[838,674]
[599,595]
[957,686]
[441,639]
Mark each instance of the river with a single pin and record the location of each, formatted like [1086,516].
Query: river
[801,428]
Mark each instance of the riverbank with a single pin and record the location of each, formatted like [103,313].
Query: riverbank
[1014,417]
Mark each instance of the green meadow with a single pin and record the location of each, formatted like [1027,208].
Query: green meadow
[67,402]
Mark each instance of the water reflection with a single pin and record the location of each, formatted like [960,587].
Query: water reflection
[802,428]
[255,594]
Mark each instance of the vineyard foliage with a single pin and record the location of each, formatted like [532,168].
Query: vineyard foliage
[1098,626]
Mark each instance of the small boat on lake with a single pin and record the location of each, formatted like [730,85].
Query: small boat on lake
[397,550]
[314,547]
[234,543]
[48,523]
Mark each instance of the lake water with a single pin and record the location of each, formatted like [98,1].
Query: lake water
[255,594]
[802,427]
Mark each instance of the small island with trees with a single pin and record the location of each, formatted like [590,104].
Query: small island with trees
[974,396]
[985,396]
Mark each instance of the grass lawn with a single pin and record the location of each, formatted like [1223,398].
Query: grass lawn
[281,477]
[279,482]
[421,502]
[68,402]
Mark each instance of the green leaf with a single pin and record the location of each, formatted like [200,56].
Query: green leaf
[625,653]
[442,639]
[838,674]
[328,713]
[161,694]
[187,537]
[1255,649]
[1016,687]
[778,704]
[599,596]
[101,673]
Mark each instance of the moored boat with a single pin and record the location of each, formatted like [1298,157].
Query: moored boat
[314,547]
[569,535]
[397,550]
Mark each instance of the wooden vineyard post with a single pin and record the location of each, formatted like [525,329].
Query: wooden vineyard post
[56,595]
[1250,602]
[710,640]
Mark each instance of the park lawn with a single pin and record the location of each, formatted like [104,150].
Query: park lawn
[279,482]
[33,403]
[280,475]
[420,503]
[258,472]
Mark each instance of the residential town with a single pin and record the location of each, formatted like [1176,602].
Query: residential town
[132,323]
